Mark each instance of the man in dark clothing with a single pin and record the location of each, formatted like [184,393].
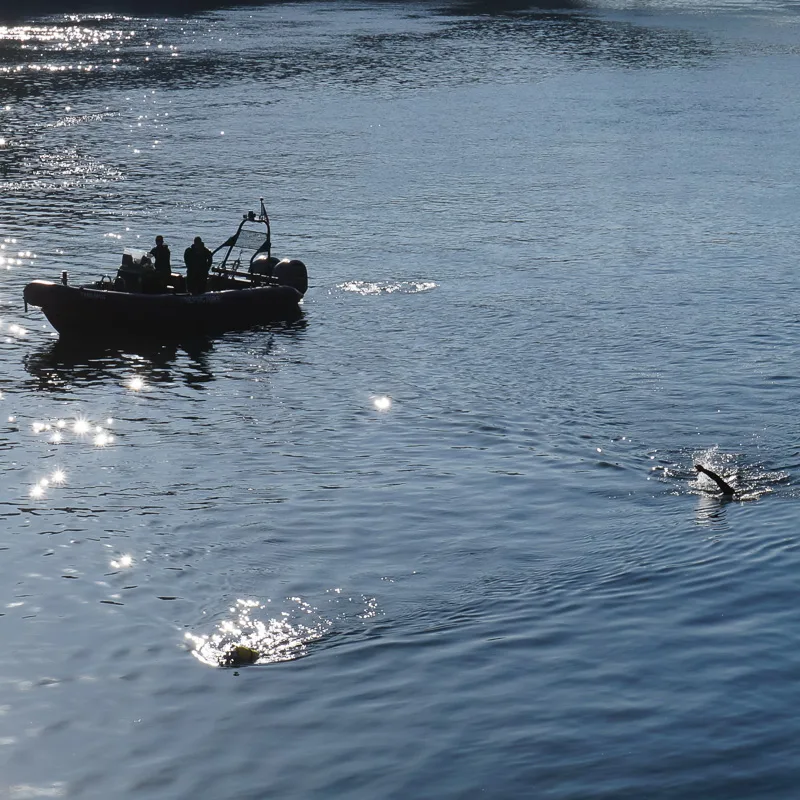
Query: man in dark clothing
[160,255]
[198,262]
[163,270]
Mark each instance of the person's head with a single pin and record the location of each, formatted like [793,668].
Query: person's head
[198,242]
[159,240]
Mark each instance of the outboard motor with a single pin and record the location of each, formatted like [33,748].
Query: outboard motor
[292,272]
[262,264]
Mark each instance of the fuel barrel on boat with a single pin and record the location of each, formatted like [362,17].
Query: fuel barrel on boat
[292,272]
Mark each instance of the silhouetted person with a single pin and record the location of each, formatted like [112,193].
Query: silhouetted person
[724,486]
[198,262]
[161,257]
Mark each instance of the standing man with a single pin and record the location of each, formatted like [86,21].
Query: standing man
[161,262]
[198,263]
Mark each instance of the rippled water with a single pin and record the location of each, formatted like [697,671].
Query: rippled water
[444,536]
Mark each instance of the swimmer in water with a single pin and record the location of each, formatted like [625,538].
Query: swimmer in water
[726,489]
[239,655]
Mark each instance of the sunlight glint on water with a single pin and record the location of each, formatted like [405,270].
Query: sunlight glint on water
[553,266]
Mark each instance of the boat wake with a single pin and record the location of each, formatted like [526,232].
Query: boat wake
[387,287]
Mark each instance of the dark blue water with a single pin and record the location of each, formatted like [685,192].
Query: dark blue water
[553,265]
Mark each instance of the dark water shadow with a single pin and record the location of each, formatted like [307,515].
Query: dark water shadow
[179,8]
[188,7]
[403,57]
[510,6]
[710,511]
[67,362]
[572,31]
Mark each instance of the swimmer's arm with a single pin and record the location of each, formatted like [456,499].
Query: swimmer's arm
[724,486]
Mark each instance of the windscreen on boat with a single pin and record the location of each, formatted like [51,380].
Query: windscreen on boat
[250,239]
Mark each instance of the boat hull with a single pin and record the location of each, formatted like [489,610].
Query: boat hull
[83,311]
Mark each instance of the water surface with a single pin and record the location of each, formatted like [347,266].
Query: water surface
[552,257]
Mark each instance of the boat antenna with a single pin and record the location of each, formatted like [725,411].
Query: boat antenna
[265,217]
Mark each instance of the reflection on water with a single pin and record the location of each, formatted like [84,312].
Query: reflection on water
[98,50]
[142,363]
[64,363]
[57,478]
[475,475]
[58,431]
[71,85]
[711,512]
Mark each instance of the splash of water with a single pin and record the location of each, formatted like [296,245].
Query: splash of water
[750,481]
[250,636]
[386,287]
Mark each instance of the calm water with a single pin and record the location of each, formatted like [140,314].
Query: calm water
[553,259]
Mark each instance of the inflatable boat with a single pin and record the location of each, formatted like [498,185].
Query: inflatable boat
[248,287]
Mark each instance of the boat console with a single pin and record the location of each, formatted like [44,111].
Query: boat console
[134,271]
